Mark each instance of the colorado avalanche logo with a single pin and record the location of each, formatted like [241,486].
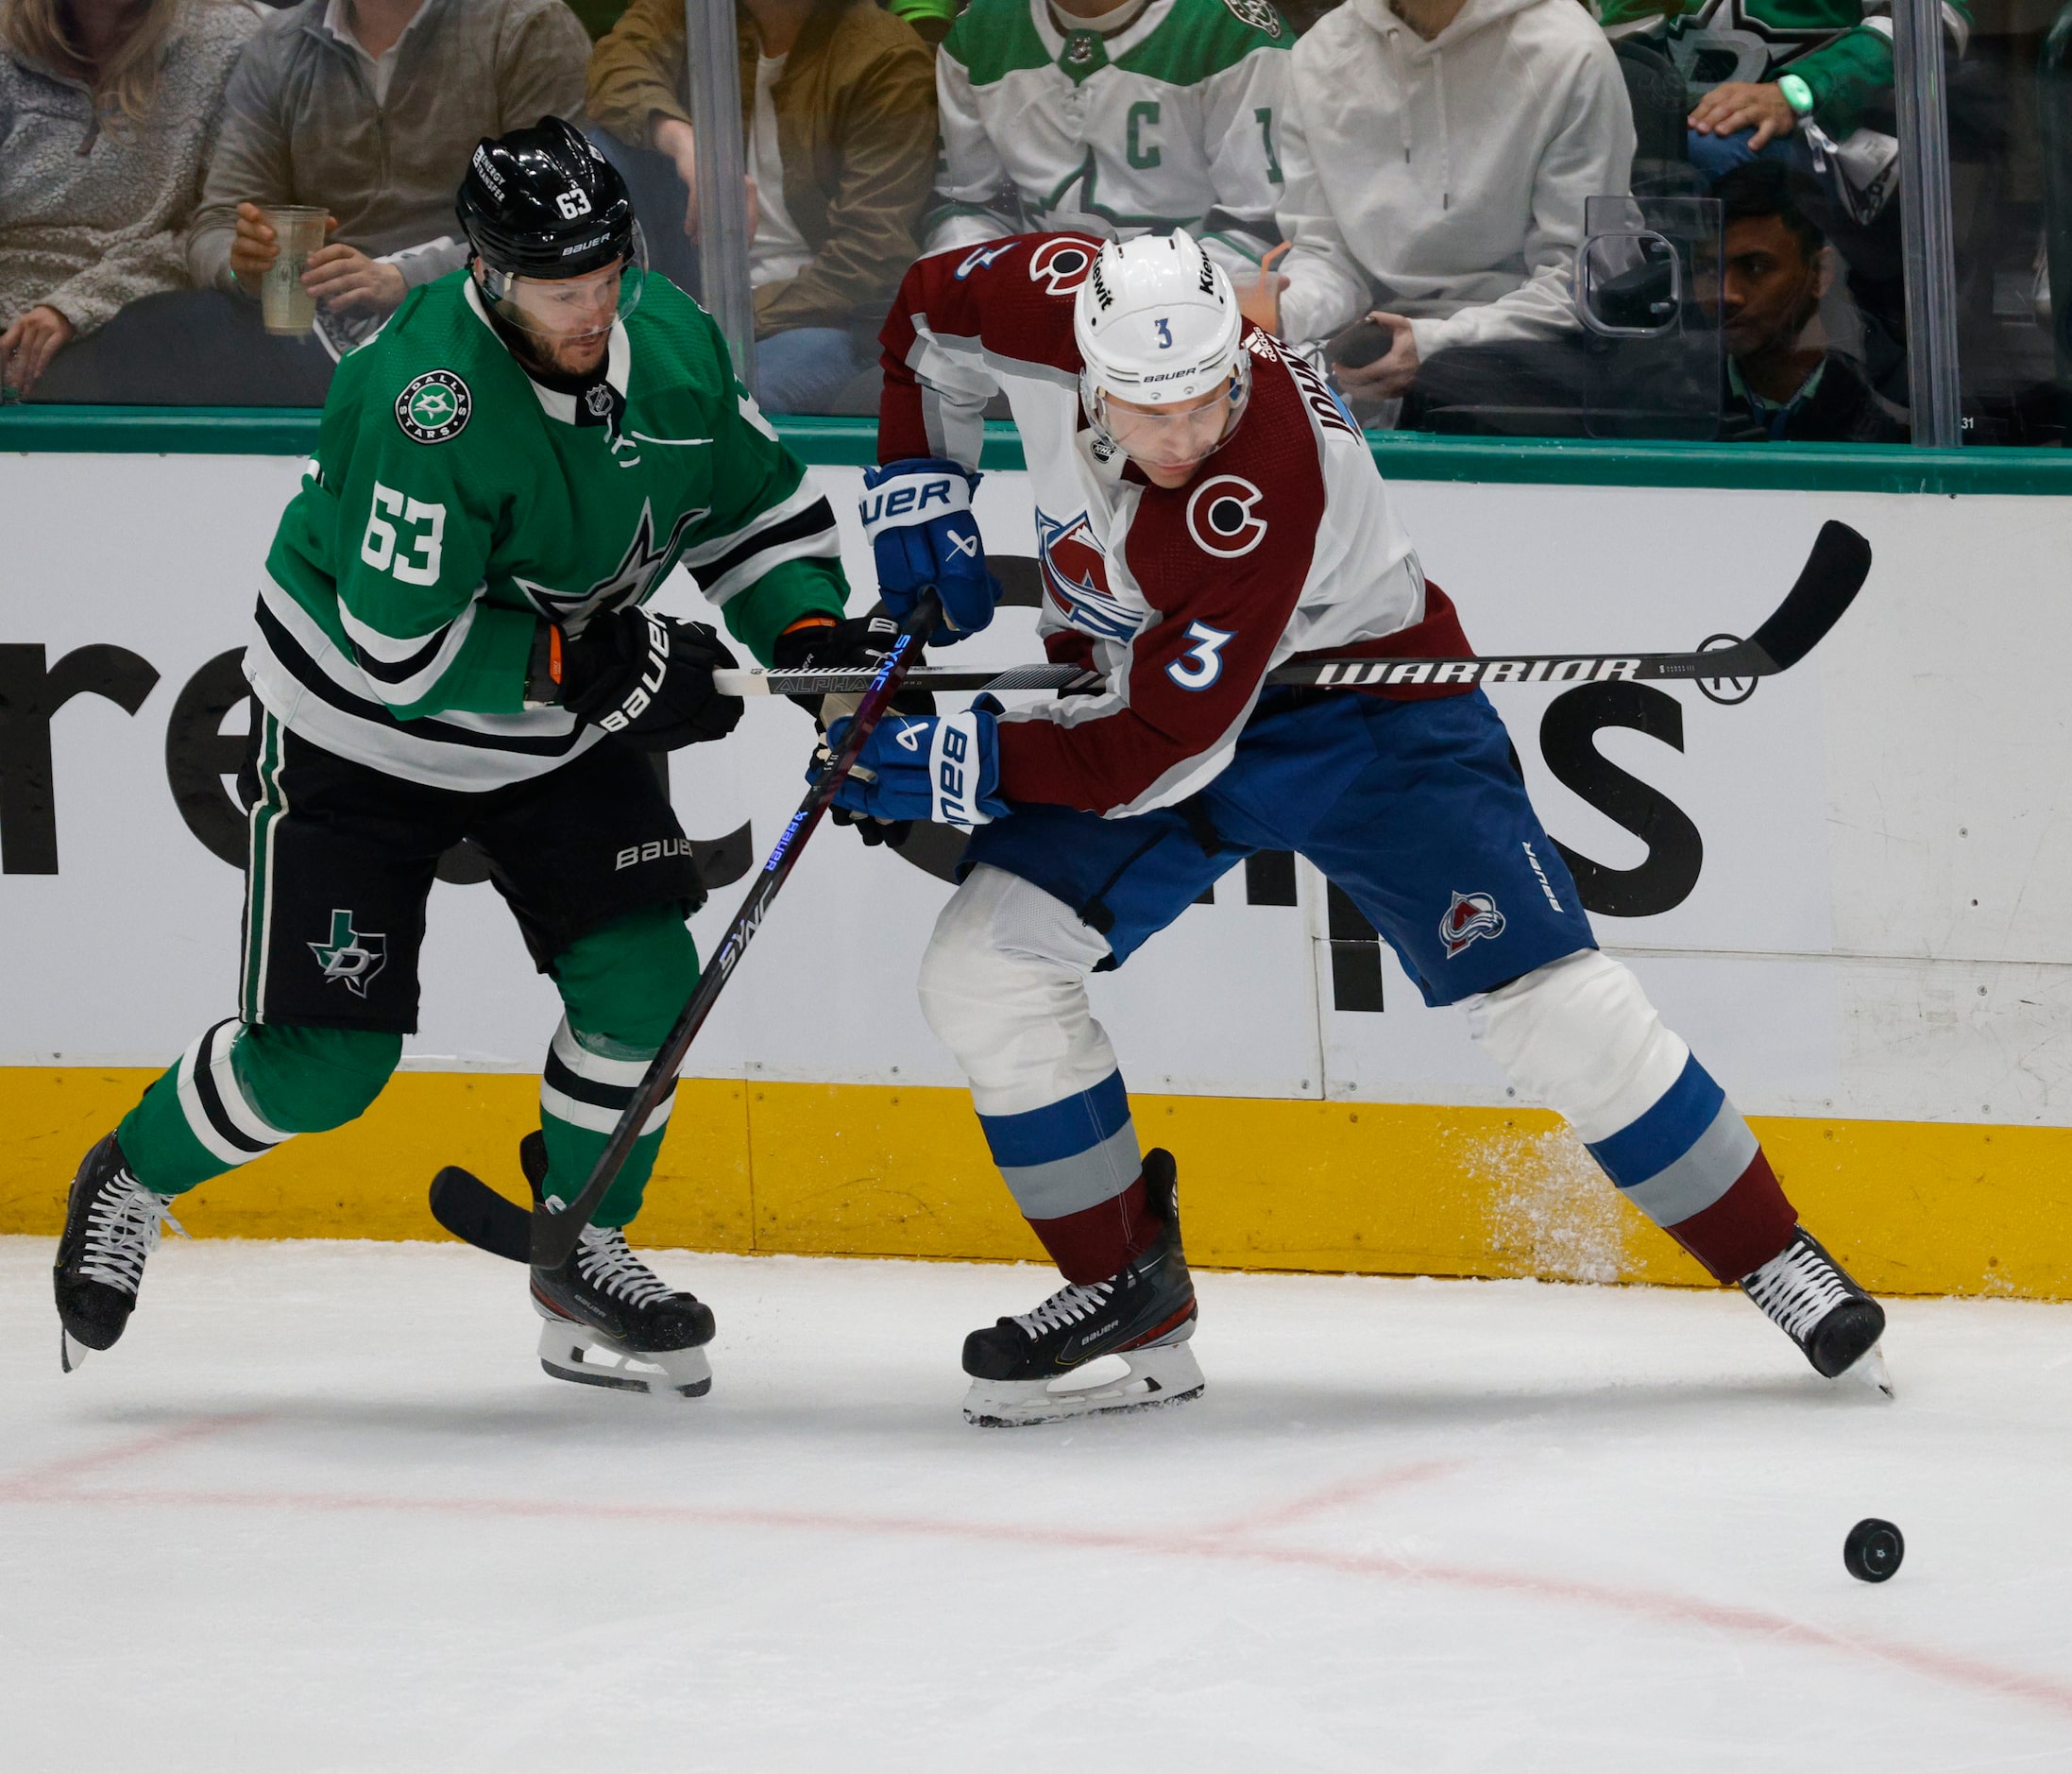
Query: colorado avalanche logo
[1221,519]
[1076,575]
[1471,915]
[1062,264]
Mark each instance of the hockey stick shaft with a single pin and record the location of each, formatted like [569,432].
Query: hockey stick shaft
[1834,572]
[458,1195]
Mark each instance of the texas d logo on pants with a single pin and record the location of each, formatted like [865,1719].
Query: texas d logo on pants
[353,957]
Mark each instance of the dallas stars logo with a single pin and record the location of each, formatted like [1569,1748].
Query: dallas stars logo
[435,407]
[351,957]
[626,585]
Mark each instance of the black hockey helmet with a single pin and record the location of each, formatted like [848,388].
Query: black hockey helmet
[544,203]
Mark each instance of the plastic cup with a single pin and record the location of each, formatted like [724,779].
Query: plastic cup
[284,305]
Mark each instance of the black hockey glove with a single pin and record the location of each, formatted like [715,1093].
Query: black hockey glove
[854,642]
[648,678]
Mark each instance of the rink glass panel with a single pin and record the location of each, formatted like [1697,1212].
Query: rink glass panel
[2009,107]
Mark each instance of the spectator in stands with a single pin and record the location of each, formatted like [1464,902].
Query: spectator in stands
[107,112]
[370,109]
[1778,268]
[1120,116]
[1438,154]
[840,119]
[1760,68]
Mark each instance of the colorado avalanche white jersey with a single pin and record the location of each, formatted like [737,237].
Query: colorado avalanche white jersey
[1283,543]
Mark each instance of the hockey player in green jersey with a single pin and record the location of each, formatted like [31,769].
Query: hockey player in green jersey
[450,643]
[1122,116]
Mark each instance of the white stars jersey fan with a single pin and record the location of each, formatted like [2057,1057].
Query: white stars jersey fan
[1171,122]
[1283,543]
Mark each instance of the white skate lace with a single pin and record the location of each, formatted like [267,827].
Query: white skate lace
[123,1228]
[604,1261]
[1797,1288]
[1068,1306]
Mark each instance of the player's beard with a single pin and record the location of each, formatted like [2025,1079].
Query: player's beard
[580,357]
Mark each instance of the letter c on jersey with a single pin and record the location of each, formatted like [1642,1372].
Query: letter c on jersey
[1060,265]
[1220,516]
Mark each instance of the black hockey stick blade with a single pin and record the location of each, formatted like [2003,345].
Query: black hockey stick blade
[1833,574]
[551,1231]
[470,1209]
[1827,584]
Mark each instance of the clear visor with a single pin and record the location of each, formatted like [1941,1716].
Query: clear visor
[1182,434]
[570,310]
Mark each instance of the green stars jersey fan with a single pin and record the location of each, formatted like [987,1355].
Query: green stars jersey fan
[1169,121]
[1842,49]
[454,501]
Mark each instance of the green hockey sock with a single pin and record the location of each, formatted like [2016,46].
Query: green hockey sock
[623,987]
[243,1089]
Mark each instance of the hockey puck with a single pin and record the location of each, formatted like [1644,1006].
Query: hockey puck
[1873,1549]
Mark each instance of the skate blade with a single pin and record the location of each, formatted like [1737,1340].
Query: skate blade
[572,1352]
[1869,1368]
[72,1353]
[1168,1374]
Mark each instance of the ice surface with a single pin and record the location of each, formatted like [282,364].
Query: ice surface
[320,1510]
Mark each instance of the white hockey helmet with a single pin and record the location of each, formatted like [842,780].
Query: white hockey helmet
[1156,321]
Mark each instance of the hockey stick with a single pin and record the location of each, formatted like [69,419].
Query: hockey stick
[470,1209]
[1833,574]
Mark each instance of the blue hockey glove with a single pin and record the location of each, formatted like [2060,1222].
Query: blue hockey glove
[918,516]
[943,767]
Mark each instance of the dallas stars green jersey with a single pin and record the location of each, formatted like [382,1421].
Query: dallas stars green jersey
[454,501]
[1842,49]
[1171,122]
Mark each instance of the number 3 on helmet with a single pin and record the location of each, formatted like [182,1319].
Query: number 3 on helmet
[1156,321]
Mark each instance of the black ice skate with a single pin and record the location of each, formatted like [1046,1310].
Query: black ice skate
[112,1224]
[1810,1297]
[611,1320]
[1023,1369]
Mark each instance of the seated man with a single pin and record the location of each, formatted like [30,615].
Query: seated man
[1449,223]
[370,109]
[840,146]
[1120,116]
[1778,268]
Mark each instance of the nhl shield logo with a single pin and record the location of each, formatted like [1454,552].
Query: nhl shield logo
[435,407]
[1471,915]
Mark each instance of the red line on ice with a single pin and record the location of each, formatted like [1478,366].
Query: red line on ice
[32,1483]
[1216,1543]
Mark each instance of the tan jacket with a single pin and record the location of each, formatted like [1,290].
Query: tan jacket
[856,131]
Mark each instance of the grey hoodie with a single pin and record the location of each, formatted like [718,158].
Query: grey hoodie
[1445,180]
[92,209]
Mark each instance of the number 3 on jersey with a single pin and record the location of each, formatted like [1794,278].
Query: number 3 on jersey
[418,562]
[1202,663]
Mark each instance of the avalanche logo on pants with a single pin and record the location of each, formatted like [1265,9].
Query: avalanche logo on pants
[1471,915]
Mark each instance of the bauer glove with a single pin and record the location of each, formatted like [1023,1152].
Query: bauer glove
[648,678]
[855,641]
[940,767]
[917,515]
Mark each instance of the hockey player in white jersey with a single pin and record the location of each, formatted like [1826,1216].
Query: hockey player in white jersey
[1205,512]
[1129,116]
